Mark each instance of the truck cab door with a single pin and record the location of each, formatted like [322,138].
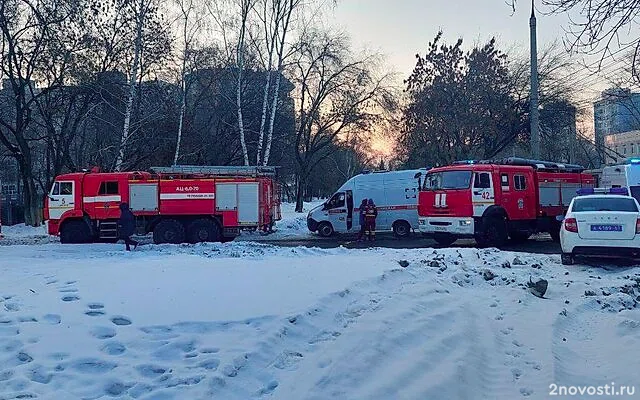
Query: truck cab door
[482,192]
[336,211]
[61,198]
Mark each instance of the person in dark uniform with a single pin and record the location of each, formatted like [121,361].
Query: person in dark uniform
[370,216]
[362,210]
[127,226]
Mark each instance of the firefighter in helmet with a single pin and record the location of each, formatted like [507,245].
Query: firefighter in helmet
[370,216]
[362,210]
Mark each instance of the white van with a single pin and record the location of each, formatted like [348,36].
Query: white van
[624,175]
[394,193]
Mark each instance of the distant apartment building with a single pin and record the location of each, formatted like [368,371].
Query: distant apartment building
[621,146]
[618,111]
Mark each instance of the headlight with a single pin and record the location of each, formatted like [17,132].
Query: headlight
[421,222]
[465,222]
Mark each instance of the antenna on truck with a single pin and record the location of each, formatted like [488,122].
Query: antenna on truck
[216,170]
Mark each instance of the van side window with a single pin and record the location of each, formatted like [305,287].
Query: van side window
[504,181]
[336,201]
[108,188]
[520,182]
[482,180]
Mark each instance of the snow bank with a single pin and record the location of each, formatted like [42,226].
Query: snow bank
[245,320]
[293,225]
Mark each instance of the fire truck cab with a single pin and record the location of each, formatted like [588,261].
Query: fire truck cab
[492,201]
[177,204]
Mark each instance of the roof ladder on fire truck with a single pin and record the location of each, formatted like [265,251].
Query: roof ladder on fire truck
[216,170]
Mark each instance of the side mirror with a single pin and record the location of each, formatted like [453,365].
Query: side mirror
[559,218]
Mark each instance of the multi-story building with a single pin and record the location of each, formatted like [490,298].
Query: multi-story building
[621,146]
[616,112]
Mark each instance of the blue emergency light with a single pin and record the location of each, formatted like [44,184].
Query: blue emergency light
[587,191]
[634,160]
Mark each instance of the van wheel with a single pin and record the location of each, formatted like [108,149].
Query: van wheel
[169,231]
[494,234]
[401,229]
[203,230]
[74,232]
[444,239]
[325,229]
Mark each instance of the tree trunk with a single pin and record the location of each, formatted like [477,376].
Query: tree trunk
[183,106]
[240,66]
[263,119]
[300,194]
[272,118]
[32,215]
[133,73]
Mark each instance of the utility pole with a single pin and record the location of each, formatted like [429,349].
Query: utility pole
[534,114]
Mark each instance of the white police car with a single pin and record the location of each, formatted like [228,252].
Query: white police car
[601,223]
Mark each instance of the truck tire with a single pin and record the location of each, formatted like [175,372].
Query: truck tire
[325,229]
[519,236]
[401,229]
[203,230]
[75,232]
[444,239]
[169,231]
[494,233]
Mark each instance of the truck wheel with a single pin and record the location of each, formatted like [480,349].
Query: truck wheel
[519,236]
[495,233]
[74,232]
[555,232]
[203,230]
[401,229]
[325,229]
[169,231]
[567,258]
[444,239]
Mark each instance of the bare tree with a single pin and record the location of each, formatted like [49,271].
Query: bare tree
[142,13]
[337,94]
[38,42]
[191,21]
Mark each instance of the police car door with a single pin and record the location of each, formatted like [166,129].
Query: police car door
[482,192]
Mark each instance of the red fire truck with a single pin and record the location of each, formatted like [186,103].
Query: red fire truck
[494,200]
[178,204]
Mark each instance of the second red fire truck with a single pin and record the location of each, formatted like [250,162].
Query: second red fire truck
[177,204]
[492,201]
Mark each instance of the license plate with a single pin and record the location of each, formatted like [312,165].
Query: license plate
[606,228]
[441,228]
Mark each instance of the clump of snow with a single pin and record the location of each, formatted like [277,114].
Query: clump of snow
[22,234]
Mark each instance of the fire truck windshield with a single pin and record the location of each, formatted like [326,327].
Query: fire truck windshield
[447,180]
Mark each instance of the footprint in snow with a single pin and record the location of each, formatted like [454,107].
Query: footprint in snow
[92,366]
[103,332]
[94,313]
[121,321]
[268,389]
[95,306]
[27,319]
[68,290]
[150,371]
[24,358]
[38,375]
[70,298]
[526,392]
[116,389]
[12,307]
[113,348]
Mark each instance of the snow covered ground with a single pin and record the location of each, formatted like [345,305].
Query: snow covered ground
[245,320]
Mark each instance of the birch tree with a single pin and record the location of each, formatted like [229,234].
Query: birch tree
[191,22]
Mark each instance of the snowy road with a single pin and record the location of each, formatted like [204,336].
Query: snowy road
[248,320]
